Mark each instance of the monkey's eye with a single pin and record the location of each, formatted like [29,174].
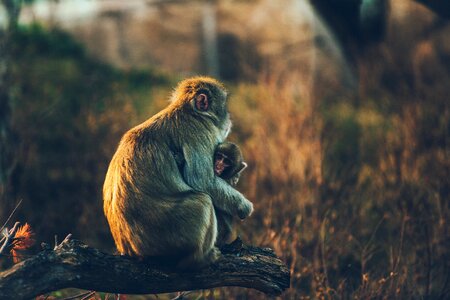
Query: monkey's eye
[227,162]
[219,156]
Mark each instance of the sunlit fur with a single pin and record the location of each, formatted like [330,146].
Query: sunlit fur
[153,206]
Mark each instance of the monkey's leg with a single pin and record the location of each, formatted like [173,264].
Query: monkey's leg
[200,208]
[224,227]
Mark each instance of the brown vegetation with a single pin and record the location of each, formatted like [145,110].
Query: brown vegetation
[350,186]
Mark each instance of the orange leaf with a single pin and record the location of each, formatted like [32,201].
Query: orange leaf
[23,238]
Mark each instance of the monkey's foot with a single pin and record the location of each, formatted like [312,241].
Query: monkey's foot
[232,248]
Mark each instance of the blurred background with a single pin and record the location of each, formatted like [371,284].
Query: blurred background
[341,109]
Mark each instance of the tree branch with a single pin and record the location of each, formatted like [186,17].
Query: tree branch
[74,264]
[8,236]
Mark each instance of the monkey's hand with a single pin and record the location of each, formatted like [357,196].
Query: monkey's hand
[244,209]
[233,181]
[199,175]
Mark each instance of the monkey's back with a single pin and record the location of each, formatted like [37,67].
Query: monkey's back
[141,188]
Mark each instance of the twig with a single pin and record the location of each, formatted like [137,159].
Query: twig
[9,236]
[11,214]
[322,248]
[83,294]
[400,247]
[181,295]
[364,252]
[65,240]
[429,262]
[88,295]
[399,254]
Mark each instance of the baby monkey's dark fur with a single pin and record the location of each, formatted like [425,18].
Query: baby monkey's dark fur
[228,164]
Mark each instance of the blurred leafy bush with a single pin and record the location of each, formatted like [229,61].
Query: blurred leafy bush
[69,114]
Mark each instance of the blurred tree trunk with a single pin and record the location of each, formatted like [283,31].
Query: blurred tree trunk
[355,23]
[439,7]
[7,162]
[358,26]
[210,46]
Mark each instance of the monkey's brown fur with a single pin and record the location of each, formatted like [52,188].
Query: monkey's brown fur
[153,206]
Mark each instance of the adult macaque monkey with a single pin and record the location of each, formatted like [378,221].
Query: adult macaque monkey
[156,208]
[228,164]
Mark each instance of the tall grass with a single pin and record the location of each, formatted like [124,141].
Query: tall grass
[351,196]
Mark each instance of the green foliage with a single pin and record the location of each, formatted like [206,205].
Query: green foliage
[32,41]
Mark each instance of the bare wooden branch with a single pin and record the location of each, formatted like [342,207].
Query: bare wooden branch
[10,215]
[74,264]
[8,237]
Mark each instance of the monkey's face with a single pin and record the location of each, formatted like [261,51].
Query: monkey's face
[221,163]
[228,161]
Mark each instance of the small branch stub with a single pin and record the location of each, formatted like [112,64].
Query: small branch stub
[74,264]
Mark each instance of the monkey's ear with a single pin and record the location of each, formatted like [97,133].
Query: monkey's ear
[201,102]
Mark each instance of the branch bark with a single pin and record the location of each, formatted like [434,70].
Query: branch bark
[74,264]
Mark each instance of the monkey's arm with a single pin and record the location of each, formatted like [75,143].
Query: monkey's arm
[199,174]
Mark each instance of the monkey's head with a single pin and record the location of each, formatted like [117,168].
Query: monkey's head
[205,97]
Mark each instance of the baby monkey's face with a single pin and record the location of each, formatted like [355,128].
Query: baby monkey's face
[228,162]
[221,163]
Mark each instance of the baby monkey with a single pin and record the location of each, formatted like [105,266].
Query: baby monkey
[229,162]
[228,165]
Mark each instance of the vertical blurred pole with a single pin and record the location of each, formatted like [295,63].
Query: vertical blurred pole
[210,43]
[120,19]
[313,67]
[12,8]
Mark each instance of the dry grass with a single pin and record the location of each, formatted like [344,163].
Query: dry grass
[351,197]
[352,191]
